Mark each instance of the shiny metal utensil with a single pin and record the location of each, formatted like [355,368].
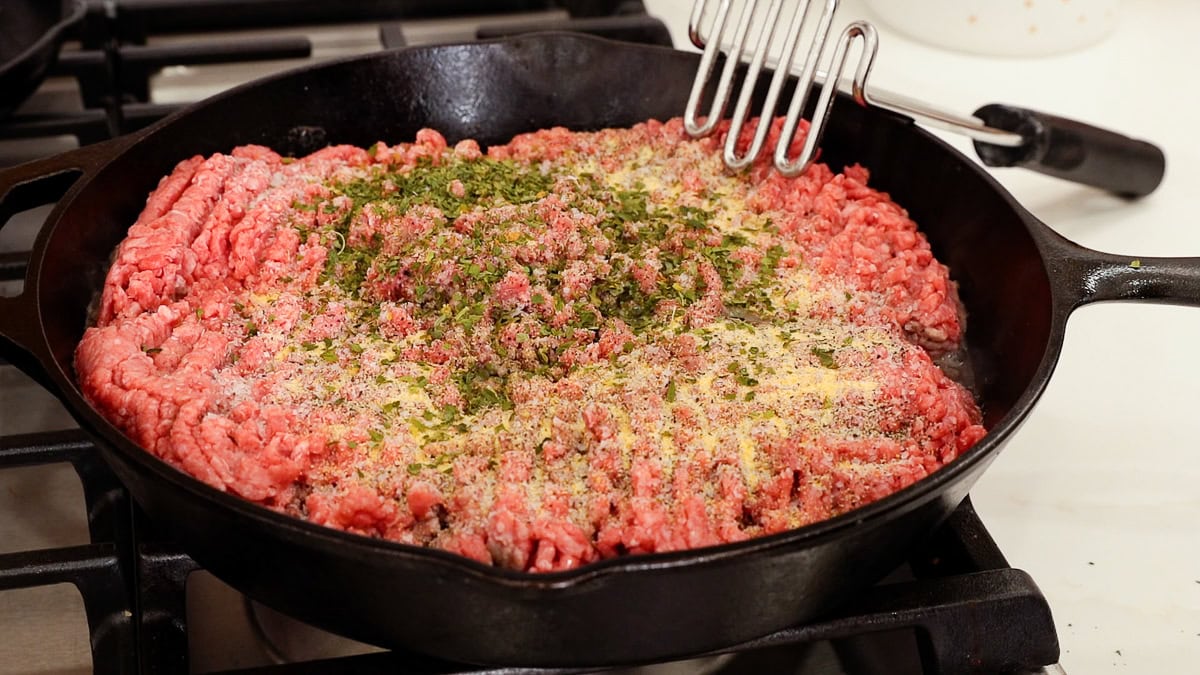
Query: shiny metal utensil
[807,72]
[1004,135]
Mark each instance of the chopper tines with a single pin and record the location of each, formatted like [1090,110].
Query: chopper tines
[714,43]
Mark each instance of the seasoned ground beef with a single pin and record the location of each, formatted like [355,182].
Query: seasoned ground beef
[570,347]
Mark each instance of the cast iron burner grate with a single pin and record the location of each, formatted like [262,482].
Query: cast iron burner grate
[113,63]
[956,607]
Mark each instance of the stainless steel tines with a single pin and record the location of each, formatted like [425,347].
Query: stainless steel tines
[807,74]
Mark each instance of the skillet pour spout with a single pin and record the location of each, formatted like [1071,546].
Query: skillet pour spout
[1019,281]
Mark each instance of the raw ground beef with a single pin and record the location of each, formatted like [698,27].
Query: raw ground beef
[566,348]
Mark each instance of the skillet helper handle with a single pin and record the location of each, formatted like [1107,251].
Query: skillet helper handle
[1103,277]
[25,186]
[1074,151]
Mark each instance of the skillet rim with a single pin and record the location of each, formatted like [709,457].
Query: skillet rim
[112,440]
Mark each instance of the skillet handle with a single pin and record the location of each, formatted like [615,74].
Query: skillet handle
[1093,276]
[36,183]
[1074,151]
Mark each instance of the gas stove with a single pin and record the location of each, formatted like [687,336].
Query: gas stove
[87,584]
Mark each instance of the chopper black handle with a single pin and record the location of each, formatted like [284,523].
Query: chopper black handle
[1074,151]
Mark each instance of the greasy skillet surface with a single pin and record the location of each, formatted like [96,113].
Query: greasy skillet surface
[614,611]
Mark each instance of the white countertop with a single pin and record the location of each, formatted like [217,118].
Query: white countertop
[1097,495]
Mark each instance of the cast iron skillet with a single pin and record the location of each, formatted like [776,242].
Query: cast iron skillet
[31,31]
[1019,281]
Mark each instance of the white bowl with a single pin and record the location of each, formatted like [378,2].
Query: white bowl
[1001,27]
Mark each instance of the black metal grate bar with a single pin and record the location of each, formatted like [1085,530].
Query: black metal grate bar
[47,447]
[186,16]
[162,623]
[81,62]
[94,569]
[106,500]
[13,265]
[102,570]
[631,28]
